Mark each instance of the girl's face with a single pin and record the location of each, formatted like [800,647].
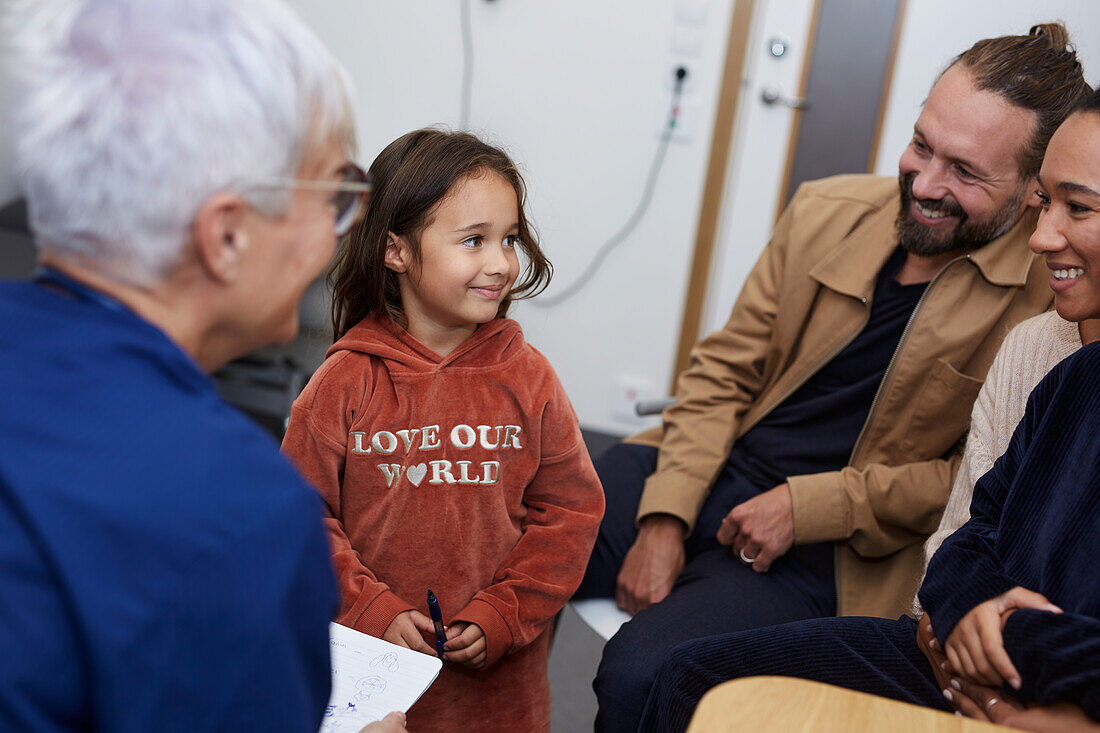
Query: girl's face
[467,265]
[1068,233]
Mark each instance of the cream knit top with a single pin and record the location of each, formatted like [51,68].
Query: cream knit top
[1029,351]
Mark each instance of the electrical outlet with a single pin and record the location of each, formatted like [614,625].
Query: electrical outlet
[627,391]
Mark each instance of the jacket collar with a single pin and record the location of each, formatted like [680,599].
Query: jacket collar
[853,267]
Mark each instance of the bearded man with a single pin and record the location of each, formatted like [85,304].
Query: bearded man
[810,448]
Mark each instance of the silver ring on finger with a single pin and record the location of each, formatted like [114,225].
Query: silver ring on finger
[990,703]
[744,558]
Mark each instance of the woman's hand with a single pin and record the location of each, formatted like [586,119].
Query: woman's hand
[407,629]
[976,646]
[466,644]
[985,703]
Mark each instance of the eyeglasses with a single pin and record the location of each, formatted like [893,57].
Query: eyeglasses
[350,199]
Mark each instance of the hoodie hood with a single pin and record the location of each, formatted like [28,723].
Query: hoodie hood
[493,343]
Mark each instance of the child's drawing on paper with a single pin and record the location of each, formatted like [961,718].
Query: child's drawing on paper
[368,686]
[386,661]
[340,718]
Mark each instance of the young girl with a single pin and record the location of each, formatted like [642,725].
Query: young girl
[443,444]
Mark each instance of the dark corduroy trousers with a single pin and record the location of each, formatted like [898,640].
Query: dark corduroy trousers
[715,594]
[874,655]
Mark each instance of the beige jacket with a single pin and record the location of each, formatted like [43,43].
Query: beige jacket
[807,297]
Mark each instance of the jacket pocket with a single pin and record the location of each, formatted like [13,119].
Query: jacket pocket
[941,413]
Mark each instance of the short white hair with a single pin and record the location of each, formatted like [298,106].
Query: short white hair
[128,114]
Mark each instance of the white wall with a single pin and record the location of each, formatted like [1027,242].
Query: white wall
[574,89]
[7,181]
[928,44]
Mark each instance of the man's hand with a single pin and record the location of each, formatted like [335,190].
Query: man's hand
[653,563]
[760,529]
[976,646]
[985,703]
[466,644]
[407,629]
[393,723]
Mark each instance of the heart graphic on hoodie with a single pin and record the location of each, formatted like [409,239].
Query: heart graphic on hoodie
[416,473]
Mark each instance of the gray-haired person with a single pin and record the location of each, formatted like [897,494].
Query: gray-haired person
[186,168]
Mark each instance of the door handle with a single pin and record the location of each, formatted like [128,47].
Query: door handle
[772,95]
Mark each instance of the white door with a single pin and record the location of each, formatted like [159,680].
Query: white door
[776,54]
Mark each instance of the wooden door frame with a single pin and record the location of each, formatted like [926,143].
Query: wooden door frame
[729,94]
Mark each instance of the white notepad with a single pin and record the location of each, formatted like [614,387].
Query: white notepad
[371,677]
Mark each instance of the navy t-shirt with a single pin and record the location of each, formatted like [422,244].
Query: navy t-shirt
[815,429]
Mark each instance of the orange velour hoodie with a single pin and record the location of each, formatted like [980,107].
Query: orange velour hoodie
[465,474]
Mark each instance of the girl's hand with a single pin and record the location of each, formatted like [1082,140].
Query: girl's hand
[408,629]
[976,647]
[466,644]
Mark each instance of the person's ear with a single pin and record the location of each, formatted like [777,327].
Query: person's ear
[397,253]
[219,236]
[1033,199]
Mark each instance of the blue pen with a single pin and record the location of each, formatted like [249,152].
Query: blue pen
[437,619]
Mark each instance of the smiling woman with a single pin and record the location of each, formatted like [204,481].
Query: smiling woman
[1068,232]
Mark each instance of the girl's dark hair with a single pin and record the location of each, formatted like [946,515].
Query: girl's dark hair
[411,176]
[1038,72]
[1091,103]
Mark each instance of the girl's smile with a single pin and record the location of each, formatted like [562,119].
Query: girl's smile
[467,263]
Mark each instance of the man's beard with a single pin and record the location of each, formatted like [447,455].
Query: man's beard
[918,239]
